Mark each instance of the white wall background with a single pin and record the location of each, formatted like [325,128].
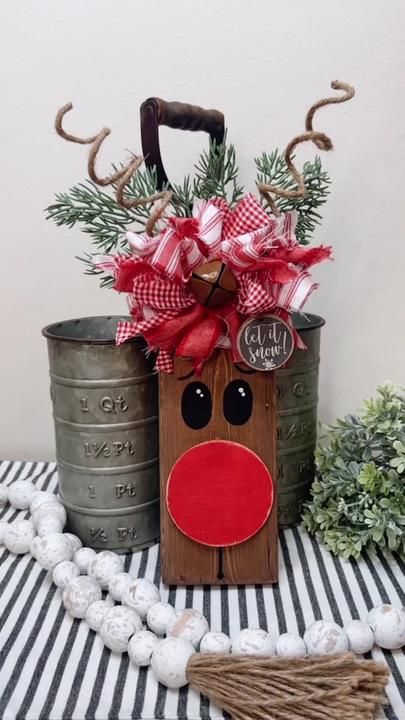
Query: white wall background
[262,63]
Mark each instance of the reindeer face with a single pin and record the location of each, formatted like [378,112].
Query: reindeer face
[217,456]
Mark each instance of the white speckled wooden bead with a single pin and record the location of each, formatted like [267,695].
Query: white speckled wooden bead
[215,642]
[18,536]
[34,546]
[49,509]
[40,498]
[3,495]
[79,593]
[325,638]
[104,566]
[290,645]
[118,625]
[96,611]
[83,558]
[21,493]
[52,549]
[388,625]
[64,572]
[252,641]
[189,625]
[140,596]
[360,636]
[141,647]
[169,661]
[75,542]
[3,527]
[159,616]
[49,524]
[119,584]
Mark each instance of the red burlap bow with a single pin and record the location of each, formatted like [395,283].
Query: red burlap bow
[261,250]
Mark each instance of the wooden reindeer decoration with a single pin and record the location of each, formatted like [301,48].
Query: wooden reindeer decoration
[217,461]
[218,414]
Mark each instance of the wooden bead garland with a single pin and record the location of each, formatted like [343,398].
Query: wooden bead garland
[96,611]
[325,638]
[290,645]
[119,584]
[75,542]
[104,566]
[79,594]
[159,616]
[141,647]
[121,626]
[64,572]
[83,557]
[251,641]
[117,627]
[215,642]
[18,537]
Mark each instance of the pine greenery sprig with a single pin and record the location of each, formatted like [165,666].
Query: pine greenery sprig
[216,174]
[183,198]
[98,213]
[106,280]
[358,499]
[272,169]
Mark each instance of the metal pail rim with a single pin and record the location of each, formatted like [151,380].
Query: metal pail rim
[55,331]
[307,321]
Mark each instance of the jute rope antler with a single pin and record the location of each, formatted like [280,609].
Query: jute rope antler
[120,178]
[322,141]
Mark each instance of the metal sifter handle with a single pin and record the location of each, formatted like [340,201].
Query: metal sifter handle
[176,115]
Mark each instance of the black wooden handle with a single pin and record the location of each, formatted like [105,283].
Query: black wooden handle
[183,116]
[179,116]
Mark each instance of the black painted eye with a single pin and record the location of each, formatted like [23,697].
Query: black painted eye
[238,402]
[196,405]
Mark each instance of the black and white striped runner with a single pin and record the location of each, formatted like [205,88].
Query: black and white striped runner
[55,668]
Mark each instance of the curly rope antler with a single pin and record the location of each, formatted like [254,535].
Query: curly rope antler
[322,141]
[120,178]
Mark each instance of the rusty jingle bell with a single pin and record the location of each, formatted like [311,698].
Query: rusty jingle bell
[213,284]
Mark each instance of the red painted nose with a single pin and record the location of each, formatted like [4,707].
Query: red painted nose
[219,493]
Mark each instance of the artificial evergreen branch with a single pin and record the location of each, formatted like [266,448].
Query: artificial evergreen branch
[106,280]
[183,198]
[272,169]
[216,174]
[99,214]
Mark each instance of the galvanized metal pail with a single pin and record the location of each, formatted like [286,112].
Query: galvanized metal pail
[105,408]
[297,401]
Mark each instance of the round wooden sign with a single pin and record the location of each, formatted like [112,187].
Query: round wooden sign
[265,343]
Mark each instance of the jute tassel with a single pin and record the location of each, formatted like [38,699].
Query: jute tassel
[120,178]
[322,141]
[336,687]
